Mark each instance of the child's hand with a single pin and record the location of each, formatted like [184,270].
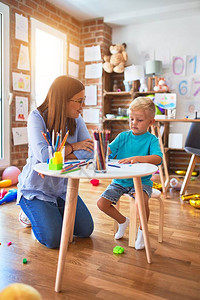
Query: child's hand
[129,160]
[126,160]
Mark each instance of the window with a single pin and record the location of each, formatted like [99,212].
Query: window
[4,87]
[48,59]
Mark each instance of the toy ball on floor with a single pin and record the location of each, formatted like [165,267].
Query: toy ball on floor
[94,182]
[11,173]
[20,291]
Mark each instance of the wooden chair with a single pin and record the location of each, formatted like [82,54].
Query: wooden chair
[156,195]
[192,145]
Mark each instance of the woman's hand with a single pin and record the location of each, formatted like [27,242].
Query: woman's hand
[87,145]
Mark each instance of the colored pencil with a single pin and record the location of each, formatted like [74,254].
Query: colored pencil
[69,171]
[44,135]
[57,140]
[49,137]
[53,136]
[64,141]
[72,162]
[114,166]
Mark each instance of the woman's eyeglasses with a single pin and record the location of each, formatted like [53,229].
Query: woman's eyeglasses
[80,101]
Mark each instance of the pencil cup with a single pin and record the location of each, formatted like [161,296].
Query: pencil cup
[63,154]
[100,156]
[50,152]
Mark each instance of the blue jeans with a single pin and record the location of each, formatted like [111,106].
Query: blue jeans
[46,219]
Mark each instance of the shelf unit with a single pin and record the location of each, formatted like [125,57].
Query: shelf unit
[114,100]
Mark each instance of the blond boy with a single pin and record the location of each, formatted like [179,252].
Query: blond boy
[137,145]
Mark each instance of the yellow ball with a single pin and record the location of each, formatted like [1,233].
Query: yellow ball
[19,291]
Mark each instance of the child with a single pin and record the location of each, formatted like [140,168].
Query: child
[134,146]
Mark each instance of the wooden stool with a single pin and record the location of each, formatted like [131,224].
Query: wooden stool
[156,195]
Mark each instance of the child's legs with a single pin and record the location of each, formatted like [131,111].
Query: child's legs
[108,208]
[111,195]
[146,203]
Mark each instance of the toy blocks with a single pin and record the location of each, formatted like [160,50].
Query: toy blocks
[56,162]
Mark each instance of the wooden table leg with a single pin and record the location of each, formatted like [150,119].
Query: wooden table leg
[164,158]
[143,218]
[68,224]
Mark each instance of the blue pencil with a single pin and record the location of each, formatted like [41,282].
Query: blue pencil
[72,162]
[57,140]
[49,137]
[114,166]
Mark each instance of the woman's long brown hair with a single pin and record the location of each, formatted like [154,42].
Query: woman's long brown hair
[53,109]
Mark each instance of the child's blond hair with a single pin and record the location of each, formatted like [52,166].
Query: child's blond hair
[143,103]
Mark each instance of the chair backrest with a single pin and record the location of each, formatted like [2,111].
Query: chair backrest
[192,144]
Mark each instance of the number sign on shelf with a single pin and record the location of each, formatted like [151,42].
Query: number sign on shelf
[188,68]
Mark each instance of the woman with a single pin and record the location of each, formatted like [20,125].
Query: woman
[42,198]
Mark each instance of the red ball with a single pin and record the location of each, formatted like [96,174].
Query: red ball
[94,182]
[11,173]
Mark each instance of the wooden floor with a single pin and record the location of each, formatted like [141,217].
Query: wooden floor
[92,271]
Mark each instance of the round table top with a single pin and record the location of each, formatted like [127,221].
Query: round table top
[121,171]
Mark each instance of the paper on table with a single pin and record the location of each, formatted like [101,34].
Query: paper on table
[73,69]
[23,60]
[93,71]
[92,53]
[74,52]
[91,115]
[20,135]
[21,27]
[91,95]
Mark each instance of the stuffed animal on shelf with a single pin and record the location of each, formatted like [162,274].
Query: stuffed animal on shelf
[116,61]
[143,85]
[161,86]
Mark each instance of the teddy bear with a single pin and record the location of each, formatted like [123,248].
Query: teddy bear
[161,86]
[116,61]
[143,85]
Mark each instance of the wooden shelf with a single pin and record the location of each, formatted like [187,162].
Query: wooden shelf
[114,119]
[119,94]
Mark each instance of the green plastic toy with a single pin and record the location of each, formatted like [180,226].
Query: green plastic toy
[56,162]
[118,250]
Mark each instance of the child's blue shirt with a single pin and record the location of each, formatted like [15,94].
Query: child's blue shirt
[126,144]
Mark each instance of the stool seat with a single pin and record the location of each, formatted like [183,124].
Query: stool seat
[156,195]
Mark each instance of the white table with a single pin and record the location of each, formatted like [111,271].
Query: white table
[135,171]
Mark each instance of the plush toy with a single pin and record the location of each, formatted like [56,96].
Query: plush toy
[116,61]
[143,85]
[161,86]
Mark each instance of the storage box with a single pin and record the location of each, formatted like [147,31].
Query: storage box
[175,140]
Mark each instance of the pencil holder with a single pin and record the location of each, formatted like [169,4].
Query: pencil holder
[63,154]
[56,162]
[100,156]
[50,150]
